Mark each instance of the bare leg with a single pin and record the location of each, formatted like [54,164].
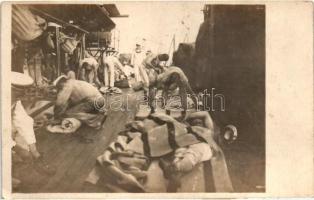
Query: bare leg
[106,75]
[182,92]
[111,75]
[151,99]
[193,96]
[144,76]
[148,88]
[165,93]
[183,96]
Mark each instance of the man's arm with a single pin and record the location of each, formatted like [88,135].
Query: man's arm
[132,59]
[119,65]
[165,94]
[82,74]
[160,69]
[62,100]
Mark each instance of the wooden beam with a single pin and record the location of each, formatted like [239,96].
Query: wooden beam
[83,46]
[58,51]
[63,23]
[41,109]
[120,16]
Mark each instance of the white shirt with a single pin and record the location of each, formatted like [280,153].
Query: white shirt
[137,58]
[23,123]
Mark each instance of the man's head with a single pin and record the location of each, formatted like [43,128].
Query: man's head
[87,66]
[60,81]
[163,57]
[138,48]
[159,60]
[19,83]
[125,62]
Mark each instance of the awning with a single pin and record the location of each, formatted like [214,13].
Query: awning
[112,10]
[90,17]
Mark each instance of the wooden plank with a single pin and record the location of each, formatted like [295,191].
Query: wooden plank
[54,145]
[41,109]
[119,118]
[83,46]
[81,165]
[66,152]
[85,162]
[58,51]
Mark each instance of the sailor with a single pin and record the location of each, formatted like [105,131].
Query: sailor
[23,136]
[112,70]
[79,100]
[151,67]
[173,78]
[136,60]
[88,71]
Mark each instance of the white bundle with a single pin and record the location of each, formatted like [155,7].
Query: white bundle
[68,125]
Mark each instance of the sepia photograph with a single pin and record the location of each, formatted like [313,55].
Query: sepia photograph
[138,97]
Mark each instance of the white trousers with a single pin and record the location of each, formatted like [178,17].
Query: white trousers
[109,74]
[22,125]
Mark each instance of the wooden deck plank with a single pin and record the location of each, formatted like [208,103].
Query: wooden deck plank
[84,163]
[113,125]
[62,155]
[72,174]
[88,156]
[63,160]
